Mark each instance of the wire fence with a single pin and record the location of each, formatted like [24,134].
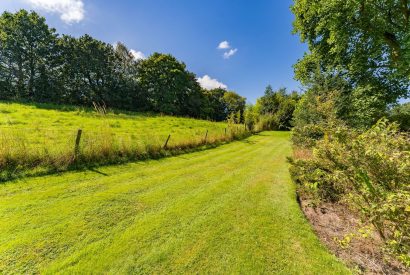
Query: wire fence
[47,136]
[41,146]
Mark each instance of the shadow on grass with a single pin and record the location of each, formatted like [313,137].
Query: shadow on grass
[98,172]
[7,175]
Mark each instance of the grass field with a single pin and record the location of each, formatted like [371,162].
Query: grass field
[227,210]
[42,137]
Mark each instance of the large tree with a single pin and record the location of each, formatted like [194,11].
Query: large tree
[365,42]
[167,85]
[27,55]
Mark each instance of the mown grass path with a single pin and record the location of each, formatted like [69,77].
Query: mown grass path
[226,210]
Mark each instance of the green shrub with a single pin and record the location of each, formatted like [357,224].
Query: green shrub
[371,171]
[401,115]
[308,135]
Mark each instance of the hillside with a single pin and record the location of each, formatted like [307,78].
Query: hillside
[227,210]
[43,137]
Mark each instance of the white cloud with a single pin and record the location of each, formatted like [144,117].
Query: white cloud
[70,11]
[230,53]
[224,45]
[209,83]
[137,54]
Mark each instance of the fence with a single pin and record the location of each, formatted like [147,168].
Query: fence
[23,148]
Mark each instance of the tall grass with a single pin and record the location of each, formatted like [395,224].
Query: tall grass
[51,147]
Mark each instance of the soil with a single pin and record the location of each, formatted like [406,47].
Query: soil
[333,222]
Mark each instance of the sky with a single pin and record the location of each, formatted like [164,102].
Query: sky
[239,45]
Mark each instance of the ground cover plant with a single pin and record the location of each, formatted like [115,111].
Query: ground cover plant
[41,138]
[231,209]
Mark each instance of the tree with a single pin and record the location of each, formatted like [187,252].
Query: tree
[88,70]
[38,65]
[235,105]
[214,107]
[166,84]
[125,90]
[363,42]
[401,115]
[27,55]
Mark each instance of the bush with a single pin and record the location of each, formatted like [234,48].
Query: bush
[371,171]
[401,115]
[308,135]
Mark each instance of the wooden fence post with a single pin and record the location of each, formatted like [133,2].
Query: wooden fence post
[77,142]
[166,142]
[225,131]
[206,136]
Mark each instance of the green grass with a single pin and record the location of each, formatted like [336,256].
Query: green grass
[226,210]
[41,138]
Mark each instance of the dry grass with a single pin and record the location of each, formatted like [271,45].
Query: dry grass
[36,140]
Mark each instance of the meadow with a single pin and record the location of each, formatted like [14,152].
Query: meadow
[226,210]
[40,138]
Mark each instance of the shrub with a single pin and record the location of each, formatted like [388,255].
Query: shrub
[371,171]
[307,135]
[401,115]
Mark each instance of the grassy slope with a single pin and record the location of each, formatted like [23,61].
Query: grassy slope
[39,139]
[38,123]
[226,210]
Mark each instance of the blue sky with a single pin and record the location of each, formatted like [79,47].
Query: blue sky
[259,33]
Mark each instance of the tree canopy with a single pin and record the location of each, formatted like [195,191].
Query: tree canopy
[363,45]
[37,64]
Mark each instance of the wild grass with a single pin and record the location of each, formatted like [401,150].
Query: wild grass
[39,139]
[229,210]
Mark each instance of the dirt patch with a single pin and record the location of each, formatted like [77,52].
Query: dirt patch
[358,246]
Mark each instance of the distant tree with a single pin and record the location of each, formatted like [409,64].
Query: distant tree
[275,109]
[235,105]
[214,106]
[251,116]
[166,84]
[125,90]
[88,69]
[36,64]
[27,55]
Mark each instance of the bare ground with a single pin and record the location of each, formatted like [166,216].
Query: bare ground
[342,232]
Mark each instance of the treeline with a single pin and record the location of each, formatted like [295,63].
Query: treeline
[349,130]
[37,64]
[273,111]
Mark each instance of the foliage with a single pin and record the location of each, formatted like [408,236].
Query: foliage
[28,56]
[364,42]
[401,115]
[370,170]
[168,86]
[315,113]
[235,105]
[38,65]
[273,111]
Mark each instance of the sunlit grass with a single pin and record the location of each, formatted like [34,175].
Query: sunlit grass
[229,210]
[41,138]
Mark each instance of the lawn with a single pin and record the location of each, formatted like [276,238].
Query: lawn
[226,210]
[41,137]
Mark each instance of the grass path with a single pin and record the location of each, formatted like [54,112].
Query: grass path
[226,210]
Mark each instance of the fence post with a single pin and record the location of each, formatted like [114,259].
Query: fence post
[225,131]
[77,142]
[206,136]
[166,142]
